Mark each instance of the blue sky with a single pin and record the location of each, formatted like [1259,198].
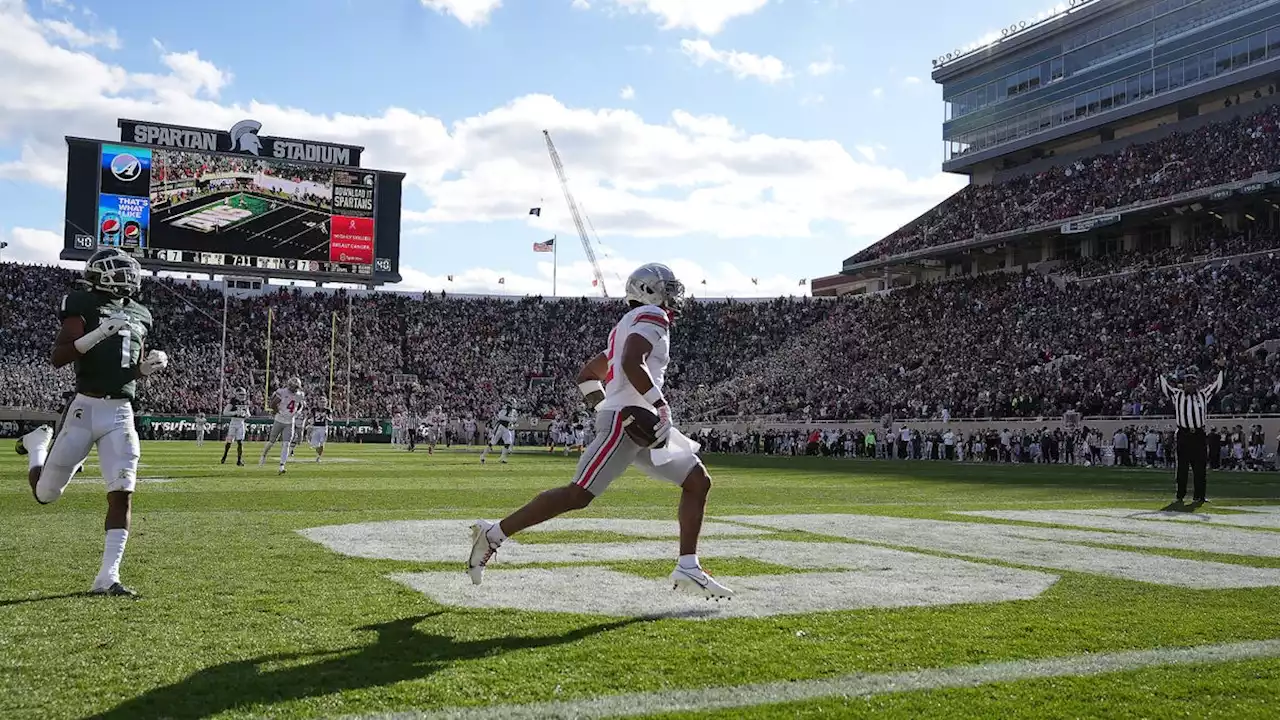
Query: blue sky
[730,138]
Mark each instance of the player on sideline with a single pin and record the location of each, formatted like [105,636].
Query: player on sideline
[103,332]
[287,402]
[237,410]
[503,434]
[629,373]
[201,421]
[319,425]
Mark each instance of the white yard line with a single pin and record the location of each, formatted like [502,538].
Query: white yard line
[858,685]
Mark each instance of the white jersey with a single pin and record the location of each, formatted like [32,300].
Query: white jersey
[291,404]
[651,323]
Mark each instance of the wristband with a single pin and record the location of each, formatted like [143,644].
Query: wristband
[589,386]
[654,395]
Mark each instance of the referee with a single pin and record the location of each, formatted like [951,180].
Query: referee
[1191,409]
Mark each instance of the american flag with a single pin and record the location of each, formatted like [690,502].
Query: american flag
[548,246]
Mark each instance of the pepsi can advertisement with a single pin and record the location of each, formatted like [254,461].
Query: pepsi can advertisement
[123,221]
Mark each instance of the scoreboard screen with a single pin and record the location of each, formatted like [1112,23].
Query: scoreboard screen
[205,207]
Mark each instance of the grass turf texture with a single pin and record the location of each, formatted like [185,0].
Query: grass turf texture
[242,616]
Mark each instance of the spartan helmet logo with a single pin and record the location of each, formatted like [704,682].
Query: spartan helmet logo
[244,137]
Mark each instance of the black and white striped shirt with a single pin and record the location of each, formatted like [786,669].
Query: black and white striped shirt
[1191,409]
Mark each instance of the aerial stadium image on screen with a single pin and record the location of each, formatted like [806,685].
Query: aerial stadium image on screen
[240,205]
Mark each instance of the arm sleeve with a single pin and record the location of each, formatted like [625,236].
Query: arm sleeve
[1215,387]
[1164,387]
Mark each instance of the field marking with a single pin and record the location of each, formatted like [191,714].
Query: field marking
[857,685]
[291,238]
[838,577]
[1050,548]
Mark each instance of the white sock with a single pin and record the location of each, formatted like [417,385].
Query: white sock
[284,453]
[688,562]
[37,455]
[495,534]
[505,449]
[112,552]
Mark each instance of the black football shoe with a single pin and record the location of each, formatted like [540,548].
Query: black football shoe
[115,590]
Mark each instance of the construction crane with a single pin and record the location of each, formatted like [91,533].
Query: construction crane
[573,210]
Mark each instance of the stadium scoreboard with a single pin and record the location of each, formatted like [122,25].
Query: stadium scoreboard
[215,201]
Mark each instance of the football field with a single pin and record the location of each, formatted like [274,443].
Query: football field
[865,589]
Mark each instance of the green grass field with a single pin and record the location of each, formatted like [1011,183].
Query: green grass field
[245,616]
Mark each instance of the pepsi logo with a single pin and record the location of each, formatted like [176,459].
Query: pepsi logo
[125,167]
[132,231]
[110,225]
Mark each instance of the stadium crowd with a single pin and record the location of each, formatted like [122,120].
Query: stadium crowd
[1004,345]
[1210,155]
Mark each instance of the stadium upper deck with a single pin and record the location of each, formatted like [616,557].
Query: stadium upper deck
[1095,72]
[1145,84]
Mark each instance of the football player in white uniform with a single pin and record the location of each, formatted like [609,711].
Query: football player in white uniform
[287,402]
[319,425]
[236,412]
[103,332]
[436,424]
[629,373]
[503,431]
[201,421]
[504,423]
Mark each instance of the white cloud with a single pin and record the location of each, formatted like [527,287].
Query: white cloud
[628,93]
[867,152]
[79,38]
[824,67]
[29,245]
[911,80]
[697,178]
[706,16]
[573,279]
[766,68]
[581,5]
[877,93]
[471,13]
[814,99]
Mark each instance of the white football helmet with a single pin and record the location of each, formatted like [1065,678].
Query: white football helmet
[242,395]
[295,383]
[655,284]
[322,402]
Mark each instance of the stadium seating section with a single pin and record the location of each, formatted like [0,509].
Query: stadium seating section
[1209,155]
[990,346]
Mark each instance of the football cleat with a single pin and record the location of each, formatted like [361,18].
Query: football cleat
[41,435]
[482,551]
[699,582]
[115,589]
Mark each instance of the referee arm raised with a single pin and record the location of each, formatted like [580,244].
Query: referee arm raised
[1191,411]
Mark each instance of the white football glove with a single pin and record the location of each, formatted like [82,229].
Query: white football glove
[108,327]
[156,360]
[663,429]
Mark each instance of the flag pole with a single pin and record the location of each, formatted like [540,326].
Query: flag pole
[555,262]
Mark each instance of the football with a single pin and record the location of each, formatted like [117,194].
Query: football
[640,424]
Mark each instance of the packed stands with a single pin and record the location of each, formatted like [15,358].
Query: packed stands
[1002,345]
[1212,154]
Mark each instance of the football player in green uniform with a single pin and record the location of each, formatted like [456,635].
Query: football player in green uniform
[104,332]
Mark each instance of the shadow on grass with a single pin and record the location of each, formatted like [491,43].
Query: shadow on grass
[43,598]
[400,652]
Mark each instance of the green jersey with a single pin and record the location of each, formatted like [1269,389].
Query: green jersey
[109,368]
